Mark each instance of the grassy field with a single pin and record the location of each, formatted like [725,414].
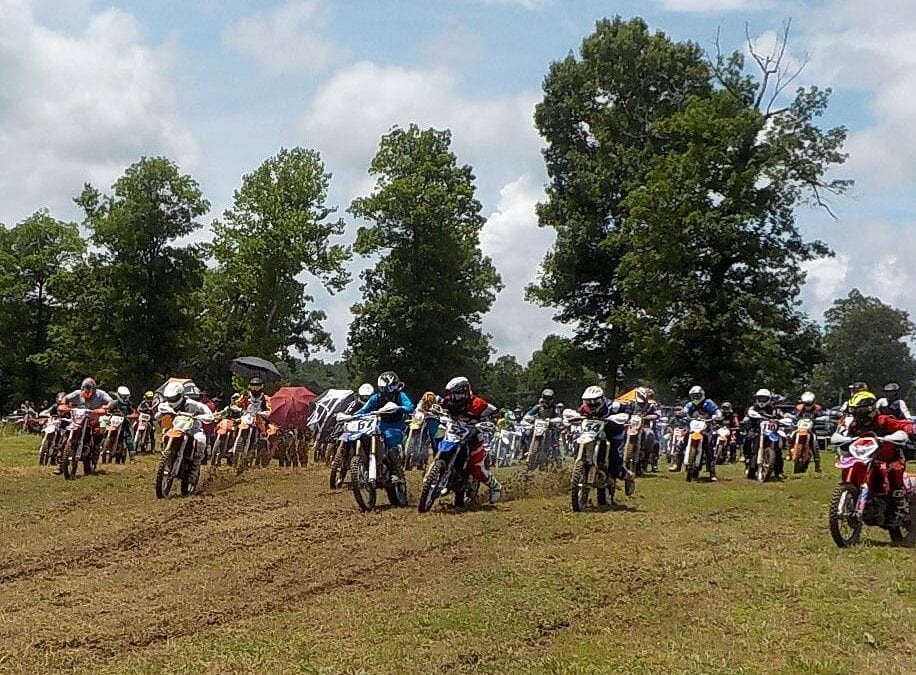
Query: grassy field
[271,572]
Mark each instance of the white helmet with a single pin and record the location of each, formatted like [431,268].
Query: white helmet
[593,392]
[642,395]
[123,393]
[365,391]
[763,396]
[807,398]
[696,393]
[173,394]
[569,413]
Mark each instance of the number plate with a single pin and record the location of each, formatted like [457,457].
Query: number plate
[592,426]
[363,424]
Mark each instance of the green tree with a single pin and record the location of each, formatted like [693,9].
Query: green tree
[599,118]
[865,340]
[424,297]
[559,365]
[129,312]
[35,251]
[504,383]
[278,228]
[315,374]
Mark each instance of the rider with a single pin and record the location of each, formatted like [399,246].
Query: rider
[390,390]
[763,404]
[174,401]
[733,423]
[808,408]
[231,411]
[892,404]
[254,400]
[867,421]
[148,405]
[596,406]
[461,403]
[123,407]
[704,408]
[544,408]
[90,397]
[644,405]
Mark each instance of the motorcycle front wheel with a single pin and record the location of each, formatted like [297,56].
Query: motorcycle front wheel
[579,486]
[428,493]
[363,491]
[163,482]
[845,526]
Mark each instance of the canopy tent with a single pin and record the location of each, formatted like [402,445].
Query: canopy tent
[629,396]
[325,407]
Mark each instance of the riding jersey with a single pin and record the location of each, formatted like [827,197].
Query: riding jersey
[895,409]
[99,400]
[705,408]
[251,403]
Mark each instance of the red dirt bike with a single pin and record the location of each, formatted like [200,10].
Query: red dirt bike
[864,497]
[143,432]
[803,441]
[80,445]
[52,435]
[224,441]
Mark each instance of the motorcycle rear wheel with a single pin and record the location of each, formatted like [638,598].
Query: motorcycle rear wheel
[845,528]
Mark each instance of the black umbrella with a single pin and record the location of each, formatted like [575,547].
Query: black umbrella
[253,366]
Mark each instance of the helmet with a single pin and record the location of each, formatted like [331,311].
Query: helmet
[458,391]
[149,396]
[173,394]
[807,398]
[235,397]
[863,406]
[642,395]
[547,395]
[569,413]
[763,396]
[696,393]
[593,399]
[388,382]
[255,385]
[892,391]
[727,408]
[559,407]
[124,393]
[365,392]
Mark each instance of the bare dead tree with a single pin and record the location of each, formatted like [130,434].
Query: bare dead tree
[776,75]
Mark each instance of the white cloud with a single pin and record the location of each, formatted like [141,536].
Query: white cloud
[286,39]
[709,6]
[524,4]
[516,245]
[79,106]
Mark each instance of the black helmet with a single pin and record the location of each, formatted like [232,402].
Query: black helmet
[892,391]
[255,385]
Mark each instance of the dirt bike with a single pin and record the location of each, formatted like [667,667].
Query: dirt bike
[678,434]
[864,497]
[143,432]
[247,440]
[760,463]
[177,458]
[369,467]
[52,435]
[505,442]
[224,442]
[284,445]
[590,470]
[723,443]
[449,471]
[79,445]
[639,446]
[113,448]
[803,441]
[694,453]
[541,451]
[419,442]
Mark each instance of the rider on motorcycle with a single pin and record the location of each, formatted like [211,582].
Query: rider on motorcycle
[868,421]
[645,406]
[596,406]
[148,405]
[231,411]
[704,408]
[763,404]
[174,401]
[731,420]
[808,408]
[390,424]
[892,404]
[460,402]
[90,397]
[123,407]
[544,408]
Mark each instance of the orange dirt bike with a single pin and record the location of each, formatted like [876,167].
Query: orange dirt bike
[177,458]
[248,439]
[113,447]
[803,441]
[224,441]
[80,446]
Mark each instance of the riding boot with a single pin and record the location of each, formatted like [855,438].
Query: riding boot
[817,458]
[394,465]
[901,506]
[496,490]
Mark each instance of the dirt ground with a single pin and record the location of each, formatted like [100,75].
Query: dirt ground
[273,572]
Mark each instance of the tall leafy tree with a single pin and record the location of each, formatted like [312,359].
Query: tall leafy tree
[865,340]
[37,250]
[559,365]
[504,383]
[129,315]
[714,262]
[599,118]
[278,228]
[424,297]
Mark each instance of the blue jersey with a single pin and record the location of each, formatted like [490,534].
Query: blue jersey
[705,408]
[395,420]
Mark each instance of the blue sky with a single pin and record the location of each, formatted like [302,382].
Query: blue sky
[89,86]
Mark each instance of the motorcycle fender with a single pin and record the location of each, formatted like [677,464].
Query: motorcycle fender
[446,447]
[696,436]
[174,433]
[773,436]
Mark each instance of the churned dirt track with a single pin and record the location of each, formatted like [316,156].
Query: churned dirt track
[274,573]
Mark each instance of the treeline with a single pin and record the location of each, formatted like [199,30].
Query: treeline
[674,178]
